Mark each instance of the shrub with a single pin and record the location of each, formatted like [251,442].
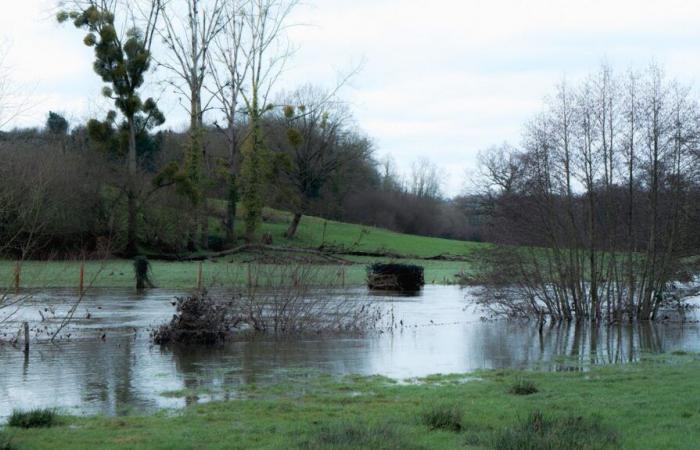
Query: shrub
[446,418]
[523,387]
[360,436]
[5,442]
[568,433]
[36,418]
[198,320]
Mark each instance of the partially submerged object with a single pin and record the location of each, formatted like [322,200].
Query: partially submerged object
[395,277]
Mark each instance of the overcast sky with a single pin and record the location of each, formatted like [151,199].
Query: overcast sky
[441,79]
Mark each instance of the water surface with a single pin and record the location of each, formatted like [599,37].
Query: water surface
[105,362]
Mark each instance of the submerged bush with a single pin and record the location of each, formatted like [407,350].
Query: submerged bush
[568,433]
[198,320]
[36,418]
[446,418]
[360,436]
[523,387]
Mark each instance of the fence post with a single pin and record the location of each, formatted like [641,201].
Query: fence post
[199,277]
[82,277]
[26,338]
[18,270]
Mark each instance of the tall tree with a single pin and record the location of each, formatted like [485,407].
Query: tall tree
[319,143]
[229,72]
[122,61]
[266,51]
[190,29]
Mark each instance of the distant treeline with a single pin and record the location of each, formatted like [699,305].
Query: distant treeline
[61,190]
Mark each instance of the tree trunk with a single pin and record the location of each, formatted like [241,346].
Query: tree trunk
[131,229]
[292,230]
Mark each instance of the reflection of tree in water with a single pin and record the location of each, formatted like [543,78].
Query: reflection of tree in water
[264,360]
[570,346]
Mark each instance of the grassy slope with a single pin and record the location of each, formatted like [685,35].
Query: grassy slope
[118,273]
[652,405]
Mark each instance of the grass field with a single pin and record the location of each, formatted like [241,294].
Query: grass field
[654,404]
[231,271]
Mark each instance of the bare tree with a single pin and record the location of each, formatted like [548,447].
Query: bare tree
[319,142]
[612,145]
[425,179]
[229,72]
[189,32]
[266,52]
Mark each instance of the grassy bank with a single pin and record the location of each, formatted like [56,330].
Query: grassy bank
[230,271]
[650,405]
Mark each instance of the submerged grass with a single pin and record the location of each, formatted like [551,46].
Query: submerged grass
[650,405]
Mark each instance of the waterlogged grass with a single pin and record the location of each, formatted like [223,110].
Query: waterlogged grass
[651,405]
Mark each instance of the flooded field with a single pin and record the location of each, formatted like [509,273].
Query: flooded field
[105,362]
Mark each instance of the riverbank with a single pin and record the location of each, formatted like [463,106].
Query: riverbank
[648,405]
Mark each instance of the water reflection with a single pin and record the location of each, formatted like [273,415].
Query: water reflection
[442,333]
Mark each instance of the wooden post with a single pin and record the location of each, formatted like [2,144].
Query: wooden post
[26,338]
[199,277]
[18,270]
[250,278]
[82,277]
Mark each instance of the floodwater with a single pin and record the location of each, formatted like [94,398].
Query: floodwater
[104,362]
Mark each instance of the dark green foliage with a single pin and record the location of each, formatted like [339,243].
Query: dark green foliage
[5,442]
[398,277]
[360,436]
[120,62]
[523,387]
[443,417]
[36,418]
[56,124]
[112,139]
[568,433]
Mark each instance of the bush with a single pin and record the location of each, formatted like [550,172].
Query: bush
[5,442]
[446,418]
[36,418]
[523,387]
[198,320]
[360,436]
[395,277]
[569,433]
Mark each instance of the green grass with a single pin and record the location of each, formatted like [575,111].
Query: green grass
[232,271]
[35,418]
[651,405]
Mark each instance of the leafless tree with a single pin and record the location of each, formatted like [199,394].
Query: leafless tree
[229,73]
[426,179]
[189,32]
[611,145]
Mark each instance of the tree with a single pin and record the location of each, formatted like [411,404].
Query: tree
[600,203]
[56,124]
[122,62]
[264,23]
[318,143]
[425,179]
[229,72]
[191,27]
